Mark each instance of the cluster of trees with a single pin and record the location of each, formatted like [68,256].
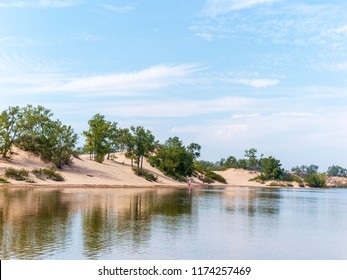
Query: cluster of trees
[104,138]
[174,159]
[33,129]
[270,167]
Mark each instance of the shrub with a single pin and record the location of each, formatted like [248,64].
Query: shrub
[146,174]
[47,173]
[3,180]
[207,180]
[316,180]
[17,174]
[215,177]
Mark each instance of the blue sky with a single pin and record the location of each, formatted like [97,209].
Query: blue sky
[227,74]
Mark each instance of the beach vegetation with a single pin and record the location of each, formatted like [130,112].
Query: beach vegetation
[16,174]
[271,169]
[146,174]
[336,171]
[98,142]
[202,170]
[31,129]
[304,171]
[316,180]
[10,129]
[215,177]
[3,180]
[174,159]
[47,173]
[143,144]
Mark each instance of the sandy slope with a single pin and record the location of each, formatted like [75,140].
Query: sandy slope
[118,172]
[84,171]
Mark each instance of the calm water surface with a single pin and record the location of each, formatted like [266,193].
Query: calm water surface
[218,223]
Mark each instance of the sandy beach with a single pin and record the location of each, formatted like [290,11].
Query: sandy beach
[116,172]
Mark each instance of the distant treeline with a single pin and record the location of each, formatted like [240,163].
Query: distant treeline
[34,129]
[271,169]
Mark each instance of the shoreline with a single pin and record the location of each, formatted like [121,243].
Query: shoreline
[128,186]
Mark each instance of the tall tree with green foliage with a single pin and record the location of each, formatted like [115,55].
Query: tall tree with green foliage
[35,123]
[97,138]
[127,143]
[305,171]
[174,159]
[337,171]
[144,144]
[271,168]
[10,129]
[252,161]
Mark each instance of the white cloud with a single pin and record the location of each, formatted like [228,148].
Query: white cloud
[119,9]
[257,83]
[293,114]
[217,7]
[339,66]
[180,108]
[341,30]
[16,42]
[87,37]
[38,3]
[246,116]
[26,76]
[152,78]
[205,36]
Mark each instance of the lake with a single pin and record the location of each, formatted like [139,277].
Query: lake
[138,223]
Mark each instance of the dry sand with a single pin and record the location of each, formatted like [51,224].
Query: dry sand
[85,172]
[116,172]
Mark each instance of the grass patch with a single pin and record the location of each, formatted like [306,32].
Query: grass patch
[47,173]
[146,174]
[3,180]
[17,174]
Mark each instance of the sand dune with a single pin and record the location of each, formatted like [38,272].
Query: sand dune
[118,172]
[83,171]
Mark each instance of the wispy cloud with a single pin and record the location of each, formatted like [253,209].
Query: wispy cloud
[119,9]
[256,83]
[341,30]
[294,114]
[38,3]
[334,67]
[217,7]
[17,42]
[181,108]
[116,84]
[286,23]
[87,37]
[152,78]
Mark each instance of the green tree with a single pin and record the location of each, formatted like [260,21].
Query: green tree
[195,150]
[231,162]
[97,138]
[34,123]
[174,159]
[316,180]
[144,144]
[113,138]
[10,129]
[127,142]
[252,162]
[305,171]
[62,142]
[337,171]
[271,168]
